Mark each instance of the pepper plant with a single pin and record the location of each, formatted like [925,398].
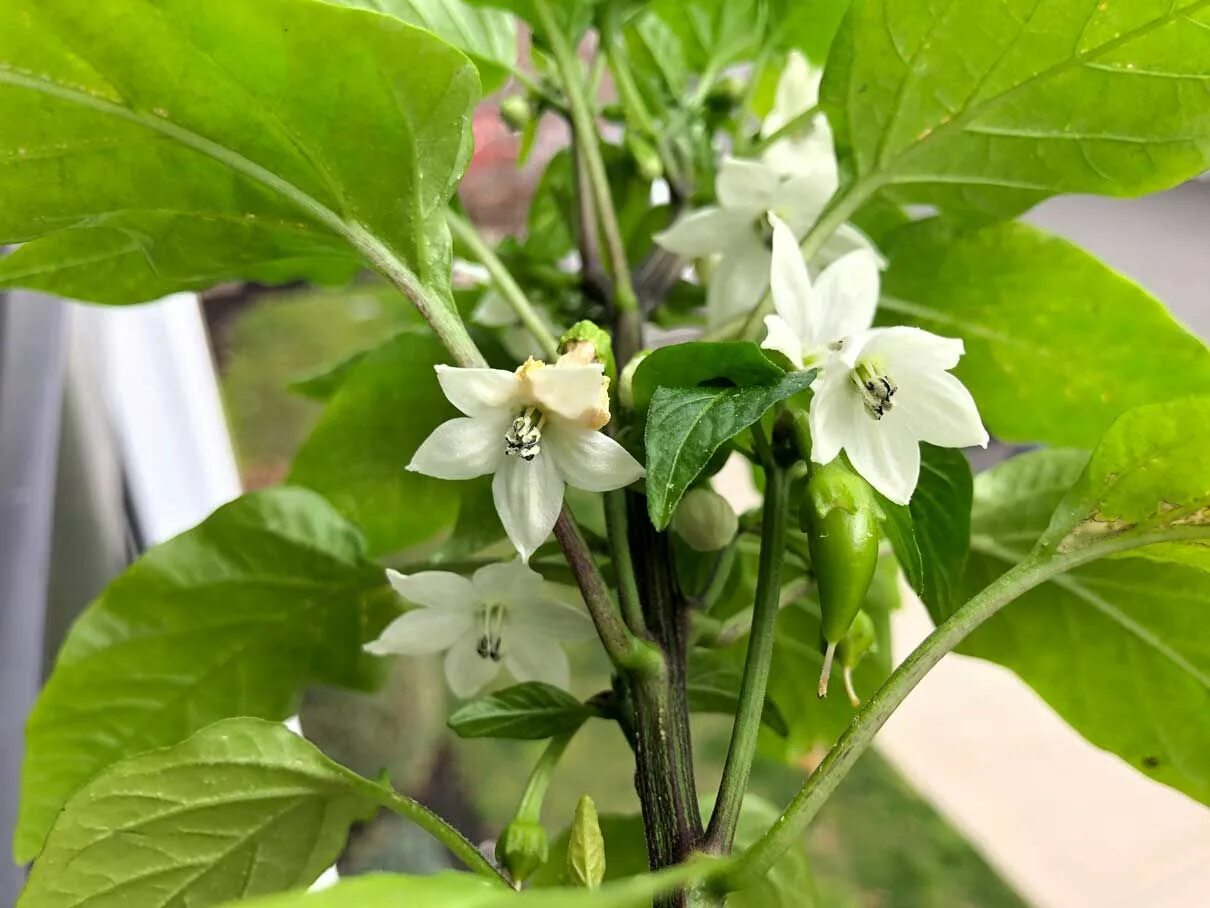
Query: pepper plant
[783,233]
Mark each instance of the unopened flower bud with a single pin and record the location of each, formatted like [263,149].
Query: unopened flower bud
[705,520]
[646,158]
[586,847]
[522,849]
[626,383]
[517,112]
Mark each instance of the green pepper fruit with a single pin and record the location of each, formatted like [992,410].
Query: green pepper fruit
[861,640]
[842,520]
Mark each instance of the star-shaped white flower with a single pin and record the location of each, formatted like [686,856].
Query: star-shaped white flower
[499,617]
[808,149]
[536,429]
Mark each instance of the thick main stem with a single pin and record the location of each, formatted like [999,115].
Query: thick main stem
[738,768]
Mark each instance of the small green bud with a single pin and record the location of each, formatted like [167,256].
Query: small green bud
[705,520]
[842,532]
[651,168]
[586,847]
[586,342]
[861,640]
[626,384]
[522,848]
[517,112]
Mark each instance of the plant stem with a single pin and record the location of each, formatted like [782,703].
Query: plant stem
[530,806]
[721,832]
[1035,570]
[588,145]
[625,650]
[623,561]
[466,233]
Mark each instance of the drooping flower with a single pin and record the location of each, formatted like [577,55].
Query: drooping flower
[536,429]
[499,617]
[882,391]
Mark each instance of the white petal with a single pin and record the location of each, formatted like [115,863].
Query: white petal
[704,232]
[781,337]
[562,622]
[835,411]
[436,589]
[463,448]
[904,350]
[790,282]
[528,497]
[421,631]
[797,92]
[746,186]
[846,239]
[803,197]
[509,582]
[465,670]
[887,454]
[738,283]
[588,459]
[536,657]
[847,295]
[568,391]
[479,392]
[940,410]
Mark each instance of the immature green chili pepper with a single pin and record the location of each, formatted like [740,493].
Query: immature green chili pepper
[842,521]
[857,643]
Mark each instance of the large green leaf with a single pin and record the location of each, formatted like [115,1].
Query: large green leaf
[1119,648]
[488,36]
[385,406]
[991,107]
[931,535]
[1057,344]
[528,712]
[242,808]
[148,147]
[231,618]
[739,363]
[686,426]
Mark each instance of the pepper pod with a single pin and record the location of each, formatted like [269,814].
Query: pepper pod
[841,516]
[861,639]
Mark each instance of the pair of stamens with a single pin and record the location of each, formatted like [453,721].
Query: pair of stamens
[490,641]
[877,390]
[524,437]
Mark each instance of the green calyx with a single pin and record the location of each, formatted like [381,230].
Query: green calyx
[522,849]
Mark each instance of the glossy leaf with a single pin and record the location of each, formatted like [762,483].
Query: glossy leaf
[357,455]
[572,16]
[242,808]
[739,363]
[991,107]
[526,712]
[1057,344]
[686,426]
[1119,648]
[931,535]
[487,36]
[231,618]
[240,141]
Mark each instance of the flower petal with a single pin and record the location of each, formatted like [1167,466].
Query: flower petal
[781,337]
[797,92]
[939,409]
[793,296]
[463,448]
[555,619]
[846,239]
[803,196]
[465,670]
[528,497]
[511,582]
[435,589]
[738,283]
[536,657]
[835,412]
[422,631]
[479,392]
[746,186]
[567,391]
[590,460]
[887,454]
[704,232]
[904,350]
[846,295]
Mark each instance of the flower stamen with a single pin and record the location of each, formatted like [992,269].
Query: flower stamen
[493,630]
[524,437]
[877,390]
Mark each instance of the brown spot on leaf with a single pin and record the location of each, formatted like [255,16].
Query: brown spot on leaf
[1151,762]
[1098,526]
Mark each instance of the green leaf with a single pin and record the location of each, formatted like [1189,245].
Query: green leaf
[1120,647]
[233,617]
[713,687]
[686,426]
[990,108]
[931,535]
[572,16]
[242,141]
[808,27]
[1148,476]
[524,712]
[739,363]
[323,383]
[242,808]
[586,847]
[487,36]
[1057,344]
[478,525]
[356,457]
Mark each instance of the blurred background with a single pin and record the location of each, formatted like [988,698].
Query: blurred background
[122,427]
